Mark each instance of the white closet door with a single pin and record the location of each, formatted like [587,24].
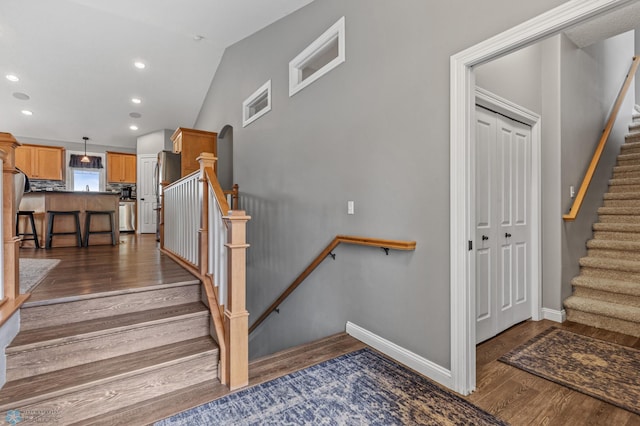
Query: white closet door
[503,181]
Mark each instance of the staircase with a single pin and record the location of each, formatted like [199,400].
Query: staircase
[83,359]
[607,291]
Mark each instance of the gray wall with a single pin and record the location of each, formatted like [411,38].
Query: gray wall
[154,142]
[374,130]
[637,52]
[516,77]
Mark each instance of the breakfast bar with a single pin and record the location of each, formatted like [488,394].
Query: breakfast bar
[41,202]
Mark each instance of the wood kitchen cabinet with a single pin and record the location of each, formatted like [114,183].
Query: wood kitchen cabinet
[41,162]
[191,143]
[121,167]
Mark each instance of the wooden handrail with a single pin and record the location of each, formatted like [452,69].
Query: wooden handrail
[217,190]
[235,193]
[361,241]
[582,192]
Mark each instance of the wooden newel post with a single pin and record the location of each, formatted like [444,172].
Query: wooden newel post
[207,161]
[11,243]
[236,317]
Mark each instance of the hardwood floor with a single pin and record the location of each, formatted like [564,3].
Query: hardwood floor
[512,395]
[136,262]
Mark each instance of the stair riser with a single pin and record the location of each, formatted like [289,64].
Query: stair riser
[624,188]
[607,323]
[605,296]
[610,274]
[614,254]
[78,350]
[631,149]
[626,175]
[619,218]
[622,203]
[628,162]
[104,307]
[616,236]
[632,137]
[100,399]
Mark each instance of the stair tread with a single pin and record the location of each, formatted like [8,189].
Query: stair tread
[160,407]
[631,211]
[616,227]
[26,390]
[625,181]
[605,284]
[607,263]
[614,245]
[622,195]
[607,309]
[57,333]
[106,294]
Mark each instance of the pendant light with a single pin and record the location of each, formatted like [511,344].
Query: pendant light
[85,159]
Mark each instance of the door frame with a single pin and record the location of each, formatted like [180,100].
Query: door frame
[142,157]
[495,103]
[462,103]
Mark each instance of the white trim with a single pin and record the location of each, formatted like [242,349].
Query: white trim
[463,368]
[507,108]
[400,354]
[554,315]
[246,105]
[296,83]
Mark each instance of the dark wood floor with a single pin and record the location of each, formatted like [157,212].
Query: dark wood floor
[510,394]
[135,262]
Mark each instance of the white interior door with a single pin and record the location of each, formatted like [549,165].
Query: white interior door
[503,228]
[146,195]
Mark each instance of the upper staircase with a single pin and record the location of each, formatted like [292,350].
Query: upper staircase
[607,291]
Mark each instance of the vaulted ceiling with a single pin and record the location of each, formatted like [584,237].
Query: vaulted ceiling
[75,63]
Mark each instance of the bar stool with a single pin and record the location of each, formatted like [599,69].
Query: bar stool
[87,225]
[33,234]
[52,214]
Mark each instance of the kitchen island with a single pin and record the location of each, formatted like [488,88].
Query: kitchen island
[42,201]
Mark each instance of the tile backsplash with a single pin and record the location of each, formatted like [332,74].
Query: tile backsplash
[58,185]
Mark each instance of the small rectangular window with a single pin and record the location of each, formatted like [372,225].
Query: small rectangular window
[257,105]
[320,57]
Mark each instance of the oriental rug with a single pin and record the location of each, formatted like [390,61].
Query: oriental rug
[360,388]
[600,369]
[33,271]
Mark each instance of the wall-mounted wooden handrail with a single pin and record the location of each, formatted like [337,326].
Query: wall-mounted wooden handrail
[361,241]
[235,193]
[582,192]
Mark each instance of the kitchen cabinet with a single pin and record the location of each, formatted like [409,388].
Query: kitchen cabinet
[190,143]
[41,162]
[121,167]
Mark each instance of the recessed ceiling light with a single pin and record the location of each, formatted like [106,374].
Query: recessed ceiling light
[12,77]
[135,115]
[133,127]
[140,65]
[26,112]
[136,100]
[21,96]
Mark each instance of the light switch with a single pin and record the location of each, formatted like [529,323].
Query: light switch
[572,191]
[350,207]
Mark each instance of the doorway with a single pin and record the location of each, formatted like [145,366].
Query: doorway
[146,194]
[462,81]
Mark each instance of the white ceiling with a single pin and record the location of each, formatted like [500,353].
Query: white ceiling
[75,62]
[605,26]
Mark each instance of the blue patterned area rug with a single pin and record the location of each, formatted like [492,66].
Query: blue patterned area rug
[360,388]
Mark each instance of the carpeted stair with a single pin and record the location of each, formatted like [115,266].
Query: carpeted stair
[606,294]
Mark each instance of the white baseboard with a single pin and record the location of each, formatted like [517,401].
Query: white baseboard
[553,315]
[402,355]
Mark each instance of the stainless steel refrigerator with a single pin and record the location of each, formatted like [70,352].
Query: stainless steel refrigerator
[167,171]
